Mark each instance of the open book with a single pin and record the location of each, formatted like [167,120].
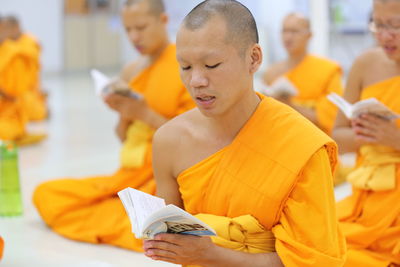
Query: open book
[150,216]
[102,85]
[281,87]
[370,105]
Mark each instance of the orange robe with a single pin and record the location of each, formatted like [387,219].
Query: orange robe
[33,100]
[370,217]
[14,84]
[289,194]
[1,247]
[315,78]
[89,209]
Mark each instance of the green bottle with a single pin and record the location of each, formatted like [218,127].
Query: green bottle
[10,191]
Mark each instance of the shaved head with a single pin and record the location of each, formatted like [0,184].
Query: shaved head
[240,23]
[156,7]
[302,20]
[12,20]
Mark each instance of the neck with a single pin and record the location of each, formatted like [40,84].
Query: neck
[295,58]
[228,125]
[154,56]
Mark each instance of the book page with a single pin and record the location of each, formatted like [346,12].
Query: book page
[100,81]
[342,104]
[173,219]
[140,206]
[282,87]
[375,107]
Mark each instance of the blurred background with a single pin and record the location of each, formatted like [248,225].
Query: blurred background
[77,35]
[81,34]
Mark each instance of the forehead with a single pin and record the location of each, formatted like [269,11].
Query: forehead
[208,40]
[135,12]
[386,10]
[295,22]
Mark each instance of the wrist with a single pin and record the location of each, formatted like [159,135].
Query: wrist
[210,256]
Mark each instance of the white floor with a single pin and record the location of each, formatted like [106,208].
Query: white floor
[81,142]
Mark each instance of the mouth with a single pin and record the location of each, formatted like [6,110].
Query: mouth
[205,100]
[390,49]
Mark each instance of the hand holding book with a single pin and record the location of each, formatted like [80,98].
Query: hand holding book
[150,216]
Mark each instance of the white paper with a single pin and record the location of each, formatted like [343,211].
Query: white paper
[282,86]
[100,80]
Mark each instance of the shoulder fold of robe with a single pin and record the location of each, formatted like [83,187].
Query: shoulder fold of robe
[315,78]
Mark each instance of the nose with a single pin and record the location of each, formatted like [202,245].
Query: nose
[133,36]
[198,79]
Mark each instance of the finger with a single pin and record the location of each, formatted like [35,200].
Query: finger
[364,131]
[160,252]
[166,259]
[177,238]
[155,244]
[365,139]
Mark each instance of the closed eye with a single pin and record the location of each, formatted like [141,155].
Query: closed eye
[186,68]
[212,66]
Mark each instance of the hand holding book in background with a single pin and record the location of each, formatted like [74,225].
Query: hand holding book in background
[105,85]
[366,106]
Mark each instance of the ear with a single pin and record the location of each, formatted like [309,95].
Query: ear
[164,18]
[256,57]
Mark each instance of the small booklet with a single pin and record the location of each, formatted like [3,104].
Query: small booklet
[102,85]
[370,106]
[281,87]
[150,216]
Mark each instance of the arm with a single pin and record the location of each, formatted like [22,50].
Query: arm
[307,233]
[181,249]
[122,128]
[342,132]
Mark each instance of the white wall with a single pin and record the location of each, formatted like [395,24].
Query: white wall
[44,19]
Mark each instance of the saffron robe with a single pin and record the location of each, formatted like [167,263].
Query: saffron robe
[33,100]
[315,78]
[14,84]
[370,217]
[269,192]
[89,209]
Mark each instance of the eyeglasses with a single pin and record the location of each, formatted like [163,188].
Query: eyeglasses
[379,28]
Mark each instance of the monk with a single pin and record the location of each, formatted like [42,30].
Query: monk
[34,100]
[370,217]
[13,84]
[230,161]
[314,77]
[89,209]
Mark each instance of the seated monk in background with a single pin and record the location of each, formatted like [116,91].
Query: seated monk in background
[370,217]
[34,100]
[314,77]
[230,161]
[89,209]
[13,84]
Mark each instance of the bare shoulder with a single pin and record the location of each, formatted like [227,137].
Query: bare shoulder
[174,140]
[274,71]
[177,131]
